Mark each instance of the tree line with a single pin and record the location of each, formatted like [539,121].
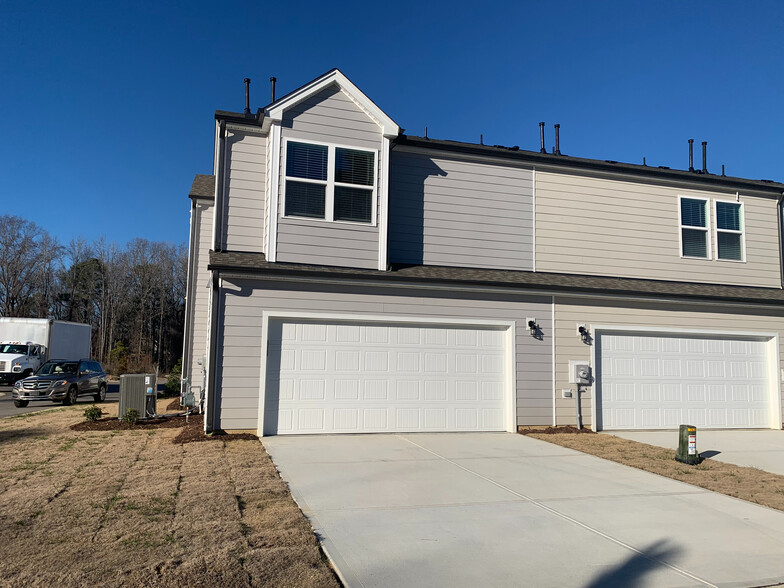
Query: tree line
[133,296]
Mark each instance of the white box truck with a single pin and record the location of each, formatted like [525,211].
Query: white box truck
[26,343]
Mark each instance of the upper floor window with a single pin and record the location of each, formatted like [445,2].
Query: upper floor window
[729,231]
[329,182]
[694,228]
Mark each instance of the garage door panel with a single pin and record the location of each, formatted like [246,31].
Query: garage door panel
[340,377]
[656,382]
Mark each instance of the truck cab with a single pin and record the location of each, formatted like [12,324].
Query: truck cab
[19,359]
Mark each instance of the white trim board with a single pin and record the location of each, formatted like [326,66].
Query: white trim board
[330,183]
[383,206]
[275,111]
[274,174]
[510,348]
[773,356]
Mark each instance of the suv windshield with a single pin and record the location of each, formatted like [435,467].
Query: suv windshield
[58,367]
[7,348]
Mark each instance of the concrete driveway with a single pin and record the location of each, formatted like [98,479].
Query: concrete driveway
[498,509]
[762,449]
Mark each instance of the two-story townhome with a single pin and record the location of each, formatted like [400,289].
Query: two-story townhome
[347,277]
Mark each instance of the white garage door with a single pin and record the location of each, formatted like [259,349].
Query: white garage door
[659,382]
[360,378]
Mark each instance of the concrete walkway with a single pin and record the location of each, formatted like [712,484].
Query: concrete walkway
[498,509]
[762,449]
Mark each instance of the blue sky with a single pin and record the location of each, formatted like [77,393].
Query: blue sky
[107,107]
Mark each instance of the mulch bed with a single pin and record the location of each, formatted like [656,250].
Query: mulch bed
[192,431]
[555,431]
[115,424]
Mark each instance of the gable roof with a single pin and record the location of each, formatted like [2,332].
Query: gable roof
[333,77]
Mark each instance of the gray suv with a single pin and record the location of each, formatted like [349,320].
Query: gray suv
[62,381]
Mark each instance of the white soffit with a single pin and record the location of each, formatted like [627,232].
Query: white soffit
[275,111]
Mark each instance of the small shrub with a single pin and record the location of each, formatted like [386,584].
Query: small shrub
[173,382]
[131,416]
[92,413]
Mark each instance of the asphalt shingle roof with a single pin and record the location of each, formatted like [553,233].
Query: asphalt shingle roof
[256,263]
[203,186]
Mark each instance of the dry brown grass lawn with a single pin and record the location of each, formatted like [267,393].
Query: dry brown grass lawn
[131,508]
[746,483]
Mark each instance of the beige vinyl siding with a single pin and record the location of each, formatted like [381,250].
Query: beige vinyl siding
[618,227]
[243,301]
[591,311]
[199,294]
[244,192]
[328,117]
[452,212]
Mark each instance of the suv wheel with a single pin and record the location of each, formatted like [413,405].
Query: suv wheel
[71,397]
[21,403]
[101,396]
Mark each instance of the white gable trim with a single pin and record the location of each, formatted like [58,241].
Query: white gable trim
[275,111]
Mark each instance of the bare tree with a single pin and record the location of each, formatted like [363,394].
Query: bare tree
[132,296]
[27,258]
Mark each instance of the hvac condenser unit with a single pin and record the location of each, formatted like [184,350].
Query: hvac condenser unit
[138,392]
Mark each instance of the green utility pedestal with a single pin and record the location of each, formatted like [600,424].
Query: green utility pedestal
[687,446]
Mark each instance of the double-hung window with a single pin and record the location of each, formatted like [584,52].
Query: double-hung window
[695,235]
[729,230]
[329,182]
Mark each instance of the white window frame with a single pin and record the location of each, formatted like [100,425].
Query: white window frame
[707,228]
[742,231]
[330,183]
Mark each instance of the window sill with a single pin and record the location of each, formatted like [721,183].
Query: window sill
[731,260]
[330,222]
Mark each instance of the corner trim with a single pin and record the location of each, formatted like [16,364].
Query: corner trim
[383,207]
[272,238]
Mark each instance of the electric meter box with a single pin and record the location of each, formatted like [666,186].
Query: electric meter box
[138,392]
[582,374]
[687,446]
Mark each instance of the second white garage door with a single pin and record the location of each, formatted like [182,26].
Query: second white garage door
[650,381]
[338,377]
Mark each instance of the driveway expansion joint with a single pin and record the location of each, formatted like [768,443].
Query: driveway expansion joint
[566,517]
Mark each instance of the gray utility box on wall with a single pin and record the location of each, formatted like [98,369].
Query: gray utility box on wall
[138,392]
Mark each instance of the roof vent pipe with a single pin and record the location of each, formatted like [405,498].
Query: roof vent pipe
[705,157]
[273,79]
[541,138]
[247,95]
[691,155]
[557,142]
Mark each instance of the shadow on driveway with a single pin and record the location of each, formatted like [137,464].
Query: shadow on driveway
[632,572]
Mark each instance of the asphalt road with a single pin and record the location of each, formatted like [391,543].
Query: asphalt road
[8,409]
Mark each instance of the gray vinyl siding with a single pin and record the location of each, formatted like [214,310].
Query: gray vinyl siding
[199,294]
[331,117]
[302,240]
[617,227]
[244,300]
[244,195]
[450,212]
[328,117]
[570,311]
